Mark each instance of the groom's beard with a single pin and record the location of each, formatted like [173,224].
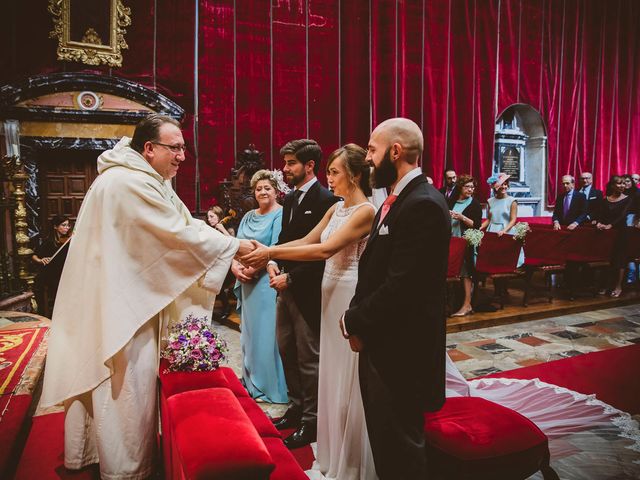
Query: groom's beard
[386,174]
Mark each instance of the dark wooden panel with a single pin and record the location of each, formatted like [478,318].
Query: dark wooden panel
[64,178]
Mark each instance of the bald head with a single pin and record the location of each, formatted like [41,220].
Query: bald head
[403,132]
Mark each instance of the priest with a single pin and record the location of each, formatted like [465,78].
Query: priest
[137,261]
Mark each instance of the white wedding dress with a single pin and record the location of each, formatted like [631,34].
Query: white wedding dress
[588,439]
[343,450]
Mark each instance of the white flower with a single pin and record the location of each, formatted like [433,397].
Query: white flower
[473,236]
[520,231]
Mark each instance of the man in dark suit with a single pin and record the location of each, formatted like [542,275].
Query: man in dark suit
[571,206]
[299,295]
[397,316]
[594,196]
[450,189]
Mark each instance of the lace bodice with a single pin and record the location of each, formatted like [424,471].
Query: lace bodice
[344,264]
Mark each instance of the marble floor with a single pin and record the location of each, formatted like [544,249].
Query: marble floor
[494,349]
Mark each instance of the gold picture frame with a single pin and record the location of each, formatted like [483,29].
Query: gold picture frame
[90,32]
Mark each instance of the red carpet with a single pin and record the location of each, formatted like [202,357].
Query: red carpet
[16,349]
[43,456]
[611,374]
[304,456]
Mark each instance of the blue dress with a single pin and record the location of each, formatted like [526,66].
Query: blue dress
[456,231]
[262,371]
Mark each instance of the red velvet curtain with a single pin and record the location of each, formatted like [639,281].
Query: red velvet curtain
[216,100]
[269,72]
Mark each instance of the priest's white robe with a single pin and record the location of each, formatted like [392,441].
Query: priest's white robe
[137,258]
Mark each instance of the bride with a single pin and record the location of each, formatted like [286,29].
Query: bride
[343,450]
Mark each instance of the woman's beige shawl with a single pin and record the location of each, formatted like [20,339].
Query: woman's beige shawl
[135,250]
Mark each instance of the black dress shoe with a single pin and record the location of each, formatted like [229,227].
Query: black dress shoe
[288,420]
[305,435]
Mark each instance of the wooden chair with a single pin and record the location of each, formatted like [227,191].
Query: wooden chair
[633,247]
[497,259]
[545,250]
[457,252]
[591,248]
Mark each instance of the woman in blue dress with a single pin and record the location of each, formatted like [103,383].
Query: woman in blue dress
[262,372]
[466,213]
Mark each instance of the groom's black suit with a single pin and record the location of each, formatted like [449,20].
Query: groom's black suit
[298,307]
[398,311]
[306,276]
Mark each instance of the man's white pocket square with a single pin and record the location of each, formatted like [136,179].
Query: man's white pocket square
[384,230]
[308,212]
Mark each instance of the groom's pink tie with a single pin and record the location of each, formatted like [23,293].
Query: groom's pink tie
[386,206]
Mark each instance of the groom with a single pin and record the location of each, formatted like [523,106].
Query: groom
[298,285]
[397,315]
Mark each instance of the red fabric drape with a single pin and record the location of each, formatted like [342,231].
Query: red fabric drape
[289,115]
[334,69]
[253,78]
[355,87]
[384,60]
[484,105]
[410,58]
[323,61]
[436,88]
[174,77]
[216,96]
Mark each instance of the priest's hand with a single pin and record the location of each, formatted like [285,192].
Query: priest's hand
[258,258]
[240,272]
[245,248]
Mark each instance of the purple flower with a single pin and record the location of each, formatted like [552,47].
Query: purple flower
[182,338]
[207,334]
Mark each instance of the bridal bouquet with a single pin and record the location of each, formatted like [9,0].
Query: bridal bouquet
[473,236]
[193,346]
[520,231]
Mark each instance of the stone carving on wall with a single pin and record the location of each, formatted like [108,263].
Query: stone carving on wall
[236,194]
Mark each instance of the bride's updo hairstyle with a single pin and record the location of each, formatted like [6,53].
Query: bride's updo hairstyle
[354,160]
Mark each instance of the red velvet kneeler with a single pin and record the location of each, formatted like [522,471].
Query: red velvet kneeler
[473,438]
[213,438]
